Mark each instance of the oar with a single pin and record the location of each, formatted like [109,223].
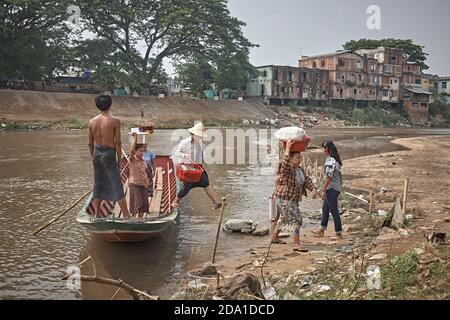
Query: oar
[44,226]
[61,214]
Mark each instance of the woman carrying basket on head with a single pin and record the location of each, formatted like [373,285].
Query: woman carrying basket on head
[190,151]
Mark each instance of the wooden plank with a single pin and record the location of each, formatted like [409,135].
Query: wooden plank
[155,204]
[159,179]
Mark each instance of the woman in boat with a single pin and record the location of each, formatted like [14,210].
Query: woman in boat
[138,180]
[292,186]
[190,150]
[331,189]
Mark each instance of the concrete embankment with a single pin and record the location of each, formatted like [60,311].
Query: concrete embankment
[33,106]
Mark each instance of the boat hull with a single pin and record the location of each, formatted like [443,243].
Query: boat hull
[107,226]
[114,230]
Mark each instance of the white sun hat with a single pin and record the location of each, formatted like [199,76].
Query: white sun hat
[198,130]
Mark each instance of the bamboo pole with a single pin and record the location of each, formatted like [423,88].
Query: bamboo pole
[218,230]
[45,225]
[371,203]
[405,194]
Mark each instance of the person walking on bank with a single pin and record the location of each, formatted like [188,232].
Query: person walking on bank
[190,150]
[292,185]
[105,146]
[332,187]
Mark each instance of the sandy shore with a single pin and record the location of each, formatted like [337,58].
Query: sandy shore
[426,164]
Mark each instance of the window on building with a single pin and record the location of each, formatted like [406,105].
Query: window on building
[322,63]
[415,105]
[304,76]
[385,93]
[358,64]
[343,78]
[264,73]
[424,105]
[355,91]
[324,92]
[276,74]
[359,77]
[290,76]
[373,67]
[283,89]
[418,81]
[314,64]
[341,63]
[444,85]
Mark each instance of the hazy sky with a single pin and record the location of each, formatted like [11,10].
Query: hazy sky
[284,29]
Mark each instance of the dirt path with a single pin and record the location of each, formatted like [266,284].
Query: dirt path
[426,164]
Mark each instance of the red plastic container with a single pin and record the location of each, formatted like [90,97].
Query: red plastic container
[189,172]
[299,146]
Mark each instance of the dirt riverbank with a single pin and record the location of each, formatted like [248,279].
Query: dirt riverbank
[410,266]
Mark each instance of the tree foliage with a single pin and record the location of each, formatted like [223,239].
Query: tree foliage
[413,52]
[34,38]
[140,34]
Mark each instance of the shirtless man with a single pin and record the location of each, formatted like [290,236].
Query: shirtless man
[105,146]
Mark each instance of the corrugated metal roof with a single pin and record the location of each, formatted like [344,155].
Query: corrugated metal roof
[418,90]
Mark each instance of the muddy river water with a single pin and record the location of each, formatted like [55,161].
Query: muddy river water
[42,173]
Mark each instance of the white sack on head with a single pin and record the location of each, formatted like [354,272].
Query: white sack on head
[294,133]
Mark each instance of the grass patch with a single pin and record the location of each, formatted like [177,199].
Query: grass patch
[75,123]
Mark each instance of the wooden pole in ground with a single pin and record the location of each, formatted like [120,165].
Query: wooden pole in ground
[371,203]
[405,193]
[218,230]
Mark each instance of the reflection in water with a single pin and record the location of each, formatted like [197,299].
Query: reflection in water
[43,172]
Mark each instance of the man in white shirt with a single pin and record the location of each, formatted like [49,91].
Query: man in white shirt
[190,150]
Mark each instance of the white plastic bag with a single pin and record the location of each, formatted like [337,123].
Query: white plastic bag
[294,133]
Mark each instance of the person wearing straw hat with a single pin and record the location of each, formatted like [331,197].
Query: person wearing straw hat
[190,150]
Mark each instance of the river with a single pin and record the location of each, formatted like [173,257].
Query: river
[43,172]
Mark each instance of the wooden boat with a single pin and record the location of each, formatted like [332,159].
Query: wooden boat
[109,224]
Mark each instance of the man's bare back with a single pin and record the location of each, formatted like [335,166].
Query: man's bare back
[104,130]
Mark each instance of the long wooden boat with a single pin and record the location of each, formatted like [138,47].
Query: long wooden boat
[109,224]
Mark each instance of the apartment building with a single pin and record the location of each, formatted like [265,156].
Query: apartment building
[283,84]
[348,74]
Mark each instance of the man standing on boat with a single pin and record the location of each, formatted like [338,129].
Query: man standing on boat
[105,146]
[190,150]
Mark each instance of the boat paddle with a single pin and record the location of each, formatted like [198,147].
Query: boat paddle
[44,226]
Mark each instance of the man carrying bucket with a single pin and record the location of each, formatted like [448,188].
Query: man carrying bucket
[190,151]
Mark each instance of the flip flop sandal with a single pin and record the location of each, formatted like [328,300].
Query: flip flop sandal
[317,233]
[283,235]
[278,241]
[300,249]
[175,205]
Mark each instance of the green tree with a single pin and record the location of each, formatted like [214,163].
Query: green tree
[413,52]
[140,34]
[34,38]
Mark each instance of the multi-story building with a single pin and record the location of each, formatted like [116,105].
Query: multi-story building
[444,85]
[415,102]
[348,76]
[282,84]
[391,63]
